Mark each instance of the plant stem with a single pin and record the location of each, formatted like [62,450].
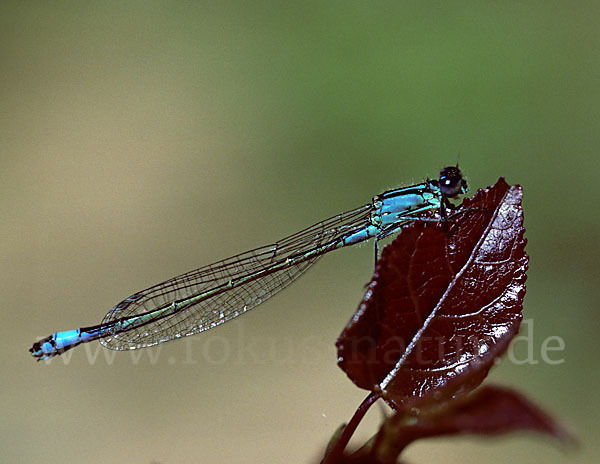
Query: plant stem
[344,438]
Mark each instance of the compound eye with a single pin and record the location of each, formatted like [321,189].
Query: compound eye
[452,182]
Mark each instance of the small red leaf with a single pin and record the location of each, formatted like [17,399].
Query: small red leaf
[491,410]
[444,302]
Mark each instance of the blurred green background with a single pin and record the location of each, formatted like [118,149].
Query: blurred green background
[140,140]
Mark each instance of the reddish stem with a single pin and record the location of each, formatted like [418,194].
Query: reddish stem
[350,428]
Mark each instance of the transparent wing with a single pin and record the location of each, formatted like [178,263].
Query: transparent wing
[225,306]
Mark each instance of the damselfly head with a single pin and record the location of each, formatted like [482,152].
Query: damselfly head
[452,183]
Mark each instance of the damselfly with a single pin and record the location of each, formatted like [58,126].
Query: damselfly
[212,295]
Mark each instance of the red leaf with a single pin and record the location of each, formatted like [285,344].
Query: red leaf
[444,303]
[491,410]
